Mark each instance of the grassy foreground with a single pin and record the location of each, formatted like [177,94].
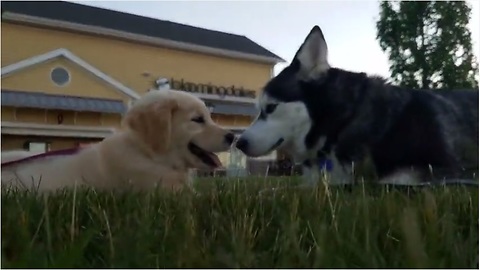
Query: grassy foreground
[231,225]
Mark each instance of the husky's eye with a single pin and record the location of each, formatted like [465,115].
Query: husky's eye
[198,119]
[270,108]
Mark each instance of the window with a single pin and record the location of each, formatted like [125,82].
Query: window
[60,76]
[38,147]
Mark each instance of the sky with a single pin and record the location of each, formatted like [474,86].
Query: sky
[281,26]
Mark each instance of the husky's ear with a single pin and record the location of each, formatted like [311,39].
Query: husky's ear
[153,124]
[312,55]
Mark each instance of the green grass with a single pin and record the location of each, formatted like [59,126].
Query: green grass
[231,225]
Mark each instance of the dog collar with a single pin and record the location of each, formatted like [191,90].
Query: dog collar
[63,152]
[326,164]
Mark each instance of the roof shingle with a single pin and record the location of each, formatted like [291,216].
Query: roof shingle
[93,16]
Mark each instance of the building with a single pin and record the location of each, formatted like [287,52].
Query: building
[69,72]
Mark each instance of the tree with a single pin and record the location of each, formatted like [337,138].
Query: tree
[428,43]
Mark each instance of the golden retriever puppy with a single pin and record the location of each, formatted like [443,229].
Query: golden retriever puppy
[163,134]
[8,156]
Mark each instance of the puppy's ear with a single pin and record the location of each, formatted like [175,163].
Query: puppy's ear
[153,124]
[312,55]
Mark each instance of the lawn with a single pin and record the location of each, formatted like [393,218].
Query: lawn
[231,225]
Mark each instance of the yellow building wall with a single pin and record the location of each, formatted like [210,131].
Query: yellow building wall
[243,121]
[126,61]
[231,120]
[8,114]
[54,117]
[111,120]
[30,115]
[10,142]
[82,83]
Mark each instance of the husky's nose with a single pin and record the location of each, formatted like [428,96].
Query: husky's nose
[242,144]
[229,138]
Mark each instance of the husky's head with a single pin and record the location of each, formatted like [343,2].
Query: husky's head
[284,118]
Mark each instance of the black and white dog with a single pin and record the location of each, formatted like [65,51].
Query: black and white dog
[313,112]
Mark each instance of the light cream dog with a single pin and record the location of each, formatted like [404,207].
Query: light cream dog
[163,134]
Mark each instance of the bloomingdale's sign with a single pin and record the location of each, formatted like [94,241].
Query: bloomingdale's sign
[211,89]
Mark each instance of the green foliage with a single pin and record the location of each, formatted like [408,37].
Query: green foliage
[232,224]
[428,43]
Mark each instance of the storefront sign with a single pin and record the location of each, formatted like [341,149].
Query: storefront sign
[211,89]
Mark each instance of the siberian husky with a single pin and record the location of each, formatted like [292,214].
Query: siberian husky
[313,112]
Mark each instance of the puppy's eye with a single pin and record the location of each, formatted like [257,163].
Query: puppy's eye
[270,108]
[198,119]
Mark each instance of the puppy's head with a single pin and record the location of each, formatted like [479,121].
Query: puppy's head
[178,125]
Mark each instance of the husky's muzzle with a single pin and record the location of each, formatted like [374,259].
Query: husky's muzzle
[244,146]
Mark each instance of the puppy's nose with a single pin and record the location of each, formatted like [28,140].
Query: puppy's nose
[229,138]
[242,144]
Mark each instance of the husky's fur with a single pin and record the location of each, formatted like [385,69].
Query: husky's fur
[313,111]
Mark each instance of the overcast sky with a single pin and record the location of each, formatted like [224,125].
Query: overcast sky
[281,26]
